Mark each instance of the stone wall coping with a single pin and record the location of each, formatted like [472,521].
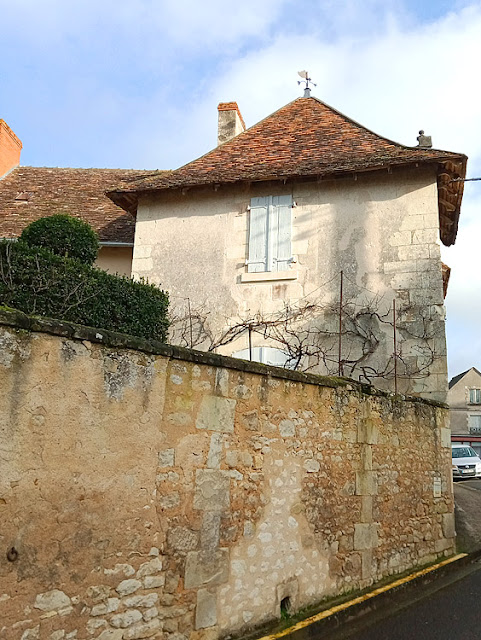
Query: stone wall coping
[19,320]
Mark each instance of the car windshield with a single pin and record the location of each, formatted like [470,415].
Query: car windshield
[464,452]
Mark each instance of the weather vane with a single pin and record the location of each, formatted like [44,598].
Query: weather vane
[306,80]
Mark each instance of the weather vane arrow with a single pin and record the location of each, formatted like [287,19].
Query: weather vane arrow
[305,79]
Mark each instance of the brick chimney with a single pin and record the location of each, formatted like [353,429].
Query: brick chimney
[231,123]
[10,148]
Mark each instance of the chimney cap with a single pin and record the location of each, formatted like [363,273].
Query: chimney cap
[231,106]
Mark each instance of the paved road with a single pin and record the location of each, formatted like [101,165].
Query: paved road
[452,612]
[473,484]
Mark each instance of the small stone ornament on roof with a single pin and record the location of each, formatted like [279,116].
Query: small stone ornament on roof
[425,142]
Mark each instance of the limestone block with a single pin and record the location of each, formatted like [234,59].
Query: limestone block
[216,414]
[149,568]
[366,508]
[443,545]
[445,437]
[142,630]
[250,420]
[366,483]
[287,428]
[222,381]
[142,264]
[111,634]
[154,582]
[102,609]
[206,568]
[52,600]
[182,539]
[31,634]
[153,612]
[126,587]
[425,236]
[366,458]
[212,633]
[214,456]
[210,531]
[449,530]
[94,624]
[170,500]
[366,564]
[98,593]
[57,635]
[143,251]
[146,601]
[206,609]
[126,569]
[311,465]
[211,490]
[414,252]
[367,432]
[126,619]
[400,266]
[167,458]
[365,536]
[412,222]
[400,238]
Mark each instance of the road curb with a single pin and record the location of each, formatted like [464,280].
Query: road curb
[331,619]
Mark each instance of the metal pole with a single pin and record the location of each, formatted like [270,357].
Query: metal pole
[250,343]
[190,323]
[340,371]
[395,345]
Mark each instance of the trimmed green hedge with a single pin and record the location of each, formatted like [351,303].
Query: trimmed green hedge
[65,236]
[37,282]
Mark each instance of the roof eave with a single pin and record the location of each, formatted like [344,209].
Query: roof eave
[451,175]
[452,165]
[126,200]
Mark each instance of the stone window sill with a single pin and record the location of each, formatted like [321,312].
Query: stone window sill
[266,276]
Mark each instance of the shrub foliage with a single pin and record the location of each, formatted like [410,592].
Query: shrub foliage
[40,283]
[64,236]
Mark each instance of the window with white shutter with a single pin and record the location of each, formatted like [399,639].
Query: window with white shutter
[270,234]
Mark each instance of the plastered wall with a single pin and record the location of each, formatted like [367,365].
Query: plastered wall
[154,492]
[381,230]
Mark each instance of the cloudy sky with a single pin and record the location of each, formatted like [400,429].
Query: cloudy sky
[136,83]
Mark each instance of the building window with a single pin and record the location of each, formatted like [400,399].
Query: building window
[270,234]
[266,355]
[475,396]
[475,424]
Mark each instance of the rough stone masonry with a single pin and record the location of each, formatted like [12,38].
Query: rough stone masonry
[152,492]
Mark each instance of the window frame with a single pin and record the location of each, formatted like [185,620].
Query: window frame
[272,252]
[474,392]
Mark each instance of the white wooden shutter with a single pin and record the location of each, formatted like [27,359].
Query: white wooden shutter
[280,214]
[258,235]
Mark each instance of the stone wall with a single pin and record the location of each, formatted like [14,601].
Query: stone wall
[153,492]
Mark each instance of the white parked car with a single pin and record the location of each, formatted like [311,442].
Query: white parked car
[466,462]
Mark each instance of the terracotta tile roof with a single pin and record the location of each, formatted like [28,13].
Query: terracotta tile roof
[306,138]
[29,193]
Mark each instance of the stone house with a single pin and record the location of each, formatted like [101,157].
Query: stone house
[464,399]
[278,218]
[29,193]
